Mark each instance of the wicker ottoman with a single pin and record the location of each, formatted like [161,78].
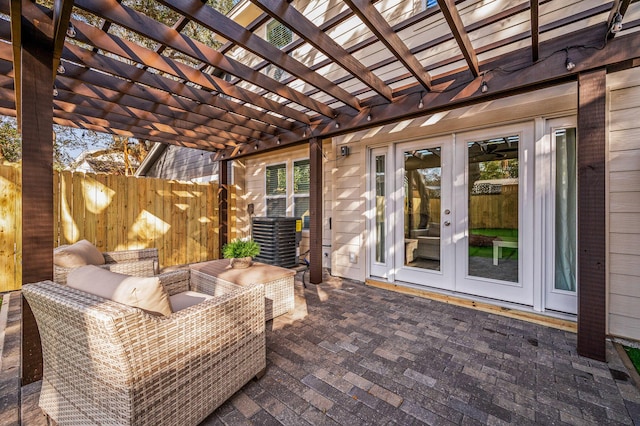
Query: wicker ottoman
[278,282]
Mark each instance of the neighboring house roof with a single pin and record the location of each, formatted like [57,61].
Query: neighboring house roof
[103,161]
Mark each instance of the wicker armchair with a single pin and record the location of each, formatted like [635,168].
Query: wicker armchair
[108,363]
[139,263]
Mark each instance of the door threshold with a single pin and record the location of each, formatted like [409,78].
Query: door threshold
[555,320]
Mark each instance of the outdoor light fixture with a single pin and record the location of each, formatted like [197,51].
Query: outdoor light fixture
[71,31]
[61,69]
[616,23]
[484,87]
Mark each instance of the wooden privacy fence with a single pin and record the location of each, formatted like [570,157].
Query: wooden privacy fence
[181,219]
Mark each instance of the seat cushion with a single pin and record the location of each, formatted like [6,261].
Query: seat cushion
[187,299]
[142,292]
[78,254]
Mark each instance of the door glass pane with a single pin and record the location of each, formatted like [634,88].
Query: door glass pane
[566,218]
[422,178]
[493,208]
[380,209]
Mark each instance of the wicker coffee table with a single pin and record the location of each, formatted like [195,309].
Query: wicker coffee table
[278,282]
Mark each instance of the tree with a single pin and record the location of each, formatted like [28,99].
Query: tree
[10,141]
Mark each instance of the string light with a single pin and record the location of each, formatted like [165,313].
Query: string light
[71,31]
[55,91]
[616,23]
[61,69]
[568,63]
[369,117]
[484,87]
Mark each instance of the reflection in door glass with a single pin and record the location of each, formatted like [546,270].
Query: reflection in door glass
[422,208]
[493,208]
[380,209]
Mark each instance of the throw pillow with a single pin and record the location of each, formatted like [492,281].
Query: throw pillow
[78,254]
[142,292]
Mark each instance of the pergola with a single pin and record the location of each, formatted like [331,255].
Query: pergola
[74,65]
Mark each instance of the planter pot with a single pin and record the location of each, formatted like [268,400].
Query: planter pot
[241,262]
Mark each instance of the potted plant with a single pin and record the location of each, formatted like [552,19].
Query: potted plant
[240,252]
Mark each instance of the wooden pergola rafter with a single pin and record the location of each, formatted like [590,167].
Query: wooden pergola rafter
[229,104]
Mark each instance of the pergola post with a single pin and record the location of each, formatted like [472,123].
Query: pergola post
[315,211]
[36,98]
[223,206]
[591,214]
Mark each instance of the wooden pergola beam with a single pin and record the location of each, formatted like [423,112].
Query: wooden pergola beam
[542,74]
[61,15]
[618,6]
[379,26]
[451,15]
[151,59]
[298,23]
[142,24]
[215,21]
[535,30]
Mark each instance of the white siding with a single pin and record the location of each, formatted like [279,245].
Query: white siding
[249,180]
[350,177]
[624,204]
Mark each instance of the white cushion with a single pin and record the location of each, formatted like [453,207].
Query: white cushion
[187,299]
[142,292]
[78,254]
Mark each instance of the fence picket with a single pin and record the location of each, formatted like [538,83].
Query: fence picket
[116,213]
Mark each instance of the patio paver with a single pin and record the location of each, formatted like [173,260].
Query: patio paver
[351,354]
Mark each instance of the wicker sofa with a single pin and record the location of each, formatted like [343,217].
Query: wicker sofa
[139,263]
[109,363]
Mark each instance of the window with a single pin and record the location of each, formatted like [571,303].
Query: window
[301,191]
[278,35]
[276,190]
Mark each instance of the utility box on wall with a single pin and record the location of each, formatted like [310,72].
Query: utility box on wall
[279,238]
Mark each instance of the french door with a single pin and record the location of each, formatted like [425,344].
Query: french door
[456,213]
[464,213]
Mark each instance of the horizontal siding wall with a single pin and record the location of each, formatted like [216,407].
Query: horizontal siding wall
[184,164]
[350,175]
[624,204]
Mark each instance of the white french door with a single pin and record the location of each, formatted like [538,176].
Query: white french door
[488,213]
[456,213]
[494,199]
[424,219]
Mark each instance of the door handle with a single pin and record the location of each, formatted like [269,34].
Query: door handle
[447,223]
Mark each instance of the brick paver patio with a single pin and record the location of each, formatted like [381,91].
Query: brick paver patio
[352,354]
